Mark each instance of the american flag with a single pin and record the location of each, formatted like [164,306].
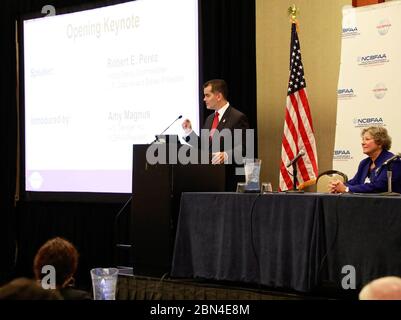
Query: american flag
[298,129]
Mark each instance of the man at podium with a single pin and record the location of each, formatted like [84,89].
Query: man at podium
[225,132]
[224,117]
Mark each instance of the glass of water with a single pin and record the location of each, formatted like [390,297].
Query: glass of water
[104,283]
[252,173]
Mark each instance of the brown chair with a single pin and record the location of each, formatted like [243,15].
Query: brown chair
[324,178]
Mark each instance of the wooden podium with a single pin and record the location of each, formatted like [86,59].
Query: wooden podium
[156,194]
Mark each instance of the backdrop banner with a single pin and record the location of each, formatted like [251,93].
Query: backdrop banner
[369,86]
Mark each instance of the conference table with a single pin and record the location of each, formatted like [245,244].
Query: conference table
[295,241]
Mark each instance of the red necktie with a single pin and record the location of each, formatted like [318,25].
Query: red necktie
[214,124]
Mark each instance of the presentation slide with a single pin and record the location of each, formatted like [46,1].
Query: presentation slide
[98,81]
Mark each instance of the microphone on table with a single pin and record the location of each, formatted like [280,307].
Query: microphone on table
[293,161]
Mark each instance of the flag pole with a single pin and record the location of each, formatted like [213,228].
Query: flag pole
[298,135]
[293,12]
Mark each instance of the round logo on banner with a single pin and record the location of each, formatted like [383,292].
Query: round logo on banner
[383,27]
[380,90]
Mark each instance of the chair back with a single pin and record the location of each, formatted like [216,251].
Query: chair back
[324,179]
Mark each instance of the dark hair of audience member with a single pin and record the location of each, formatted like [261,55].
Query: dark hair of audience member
[62,255]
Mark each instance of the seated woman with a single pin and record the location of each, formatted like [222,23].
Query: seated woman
[63,256]
[371,176]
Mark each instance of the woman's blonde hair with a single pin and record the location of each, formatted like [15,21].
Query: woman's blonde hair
[380,135]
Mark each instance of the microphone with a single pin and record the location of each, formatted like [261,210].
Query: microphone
[390,160]
[299,155]
[157,139]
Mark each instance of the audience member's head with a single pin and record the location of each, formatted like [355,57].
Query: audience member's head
[27,289]
[62,255]
[386,288]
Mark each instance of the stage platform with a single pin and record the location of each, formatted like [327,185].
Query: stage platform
[132,287]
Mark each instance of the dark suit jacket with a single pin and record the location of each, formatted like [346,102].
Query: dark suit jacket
[232,119]
[378,176]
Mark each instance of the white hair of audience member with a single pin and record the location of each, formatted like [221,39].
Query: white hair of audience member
[386,288]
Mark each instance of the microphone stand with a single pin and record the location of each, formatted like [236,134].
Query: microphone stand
[295,173]
[157,138]
[389,177]
[389,182]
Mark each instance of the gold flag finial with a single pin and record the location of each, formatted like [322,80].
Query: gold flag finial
[293,12]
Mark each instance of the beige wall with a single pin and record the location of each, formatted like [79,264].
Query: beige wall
[320,38]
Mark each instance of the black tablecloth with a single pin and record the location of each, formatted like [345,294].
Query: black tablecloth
[363,232]
[289,240]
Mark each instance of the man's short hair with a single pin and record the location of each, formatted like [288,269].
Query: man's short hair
[218,85]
